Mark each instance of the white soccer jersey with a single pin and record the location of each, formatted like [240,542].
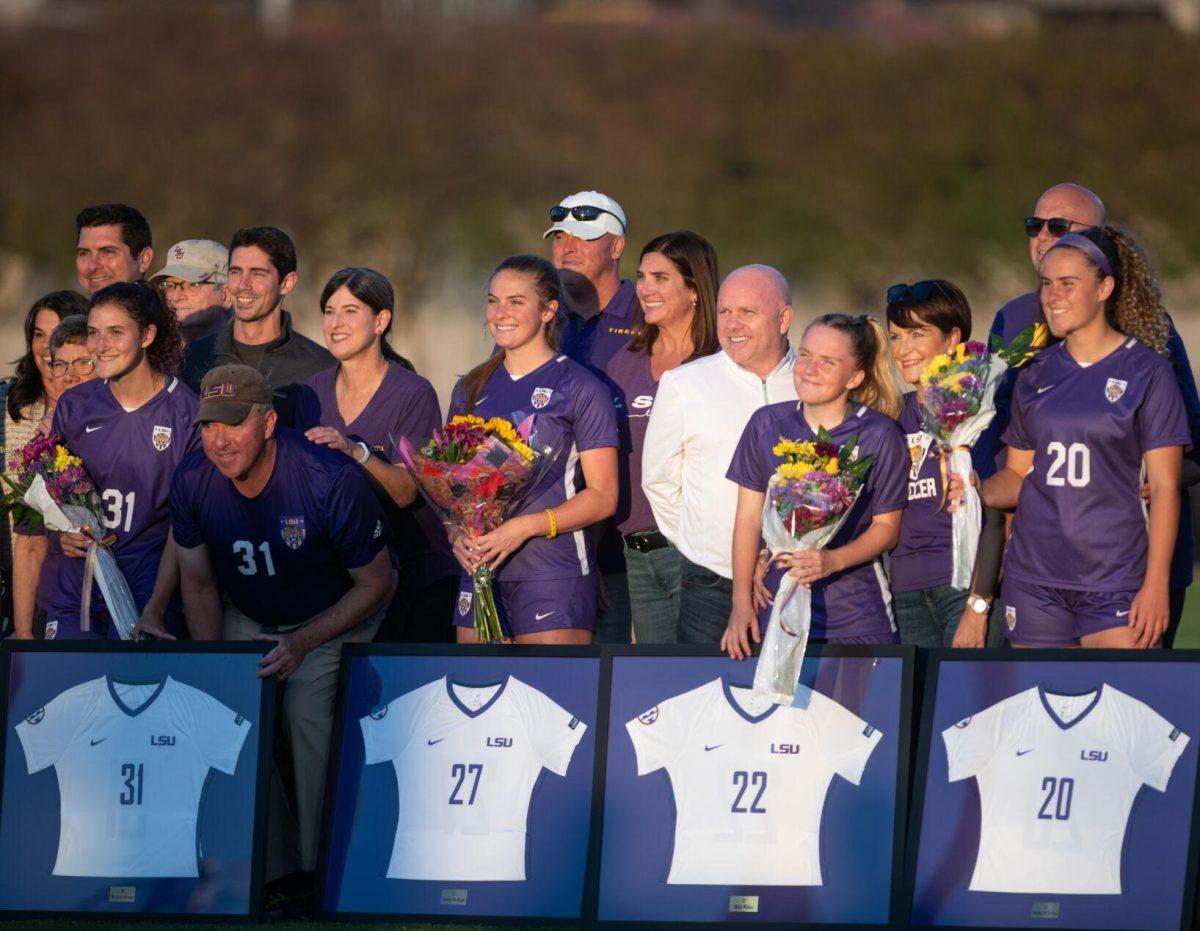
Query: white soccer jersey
[466,760]
[131,761]
[749,778]
[1057,777]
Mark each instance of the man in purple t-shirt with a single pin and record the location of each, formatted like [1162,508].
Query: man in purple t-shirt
[295,537]
[597,319]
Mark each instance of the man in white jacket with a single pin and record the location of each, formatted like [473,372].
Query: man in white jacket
[698,417]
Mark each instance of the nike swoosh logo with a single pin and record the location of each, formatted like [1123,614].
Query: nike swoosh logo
[481,400]
[1122,613]
[1023,752]
[538,617]
[1046,388]
[713,747]
[93,429]
[100,741]
[432,742]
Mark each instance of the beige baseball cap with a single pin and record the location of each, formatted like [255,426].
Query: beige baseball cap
[196,260]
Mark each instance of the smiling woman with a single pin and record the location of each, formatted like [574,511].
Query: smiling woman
[131,425]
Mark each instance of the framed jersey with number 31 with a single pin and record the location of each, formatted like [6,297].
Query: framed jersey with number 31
[133,779]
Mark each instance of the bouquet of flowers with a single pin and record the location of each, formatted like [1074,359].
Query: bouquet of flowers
[956,394]
[474,472]
[808,498]
[52,488]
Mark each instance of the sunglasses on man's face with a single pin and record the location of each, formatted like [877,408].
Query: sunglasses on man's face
[919,291]
[584,212]
[1058,226]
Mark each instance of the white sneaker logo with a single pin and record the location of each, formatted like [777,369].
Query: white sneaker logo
[1122,613]
[538,617]
[92,429]
[1044,388]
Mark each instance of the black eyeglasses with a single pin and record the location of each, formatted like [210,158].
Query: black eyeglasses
[584,212]
[1058,226]
[919,291]
[84,366]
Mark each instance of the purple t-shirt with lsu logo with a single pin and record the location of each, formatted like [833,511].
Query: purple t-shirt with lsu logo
[404,404]
[922,557]
[634,390]
[130,456]
[573,413]
[282,556]
[1080,522]
[858,601]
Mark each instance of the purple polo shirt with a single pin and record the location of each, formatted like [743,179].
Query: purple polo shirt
[1080,522]
[573,413]
[856,602]
[634,390]
[593,342]
[404,404]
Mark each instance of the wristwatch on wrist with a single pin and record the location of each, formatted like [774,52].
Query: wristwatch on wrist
[979,604]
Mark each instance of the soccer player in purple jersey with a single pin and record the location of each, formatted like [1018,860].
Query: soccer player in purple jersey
[131,425]
[361,408]
[846,384]
[1087,564]
[677,282]
[546,580]
[1064,208]
[925,320]
[292,534]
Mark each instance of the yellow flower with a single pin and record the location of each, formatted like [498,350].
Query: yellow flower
[467,419]
[63,460]
[832,466]
[794,448]
[935,366]
[1040,333]
[793,470]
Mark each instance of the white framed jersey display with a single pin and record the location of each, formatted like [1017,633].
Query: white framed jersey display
[462,783]
[721,805]
[133,777]
[1057,787]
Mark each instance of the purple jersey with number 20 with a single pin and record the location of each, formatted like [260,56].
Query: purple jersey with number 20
[573,411]
[130,456]
[856,602]
[1080,522]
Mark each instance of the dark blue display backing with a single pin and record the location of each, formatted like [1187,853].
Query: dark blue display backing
[29,811]
[363,822]
[1154,857]
[857,840]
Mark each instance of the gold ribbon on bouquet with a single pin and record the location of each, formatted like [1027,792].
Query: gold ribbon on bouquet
[89,571]
[944,452]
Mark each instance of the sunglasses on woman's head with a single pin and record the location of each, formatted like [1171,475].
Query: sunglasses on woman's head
[1058,226]
[584,212]
[919,291]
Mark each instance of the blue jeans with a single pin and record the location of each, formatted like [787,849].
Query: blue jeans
[929,617]
[705,602]
[612,623]
[654,581]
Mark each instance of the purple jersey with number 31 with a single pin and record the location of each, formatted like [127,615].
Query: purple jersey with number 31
[130,456]
[1080,522]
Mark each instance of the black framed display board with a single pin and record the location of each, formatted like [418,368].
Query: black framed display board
[461,783]
[1057,791]
[721,806]
[133,779]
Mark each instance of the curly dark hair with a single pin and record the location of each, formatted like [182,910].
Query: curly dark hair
[145,305]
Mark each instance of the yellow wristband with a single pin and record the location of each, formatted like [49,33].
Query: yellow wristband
[553,524]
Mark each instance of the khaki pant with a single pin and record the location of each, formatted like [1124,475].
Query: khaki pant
[306,698]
